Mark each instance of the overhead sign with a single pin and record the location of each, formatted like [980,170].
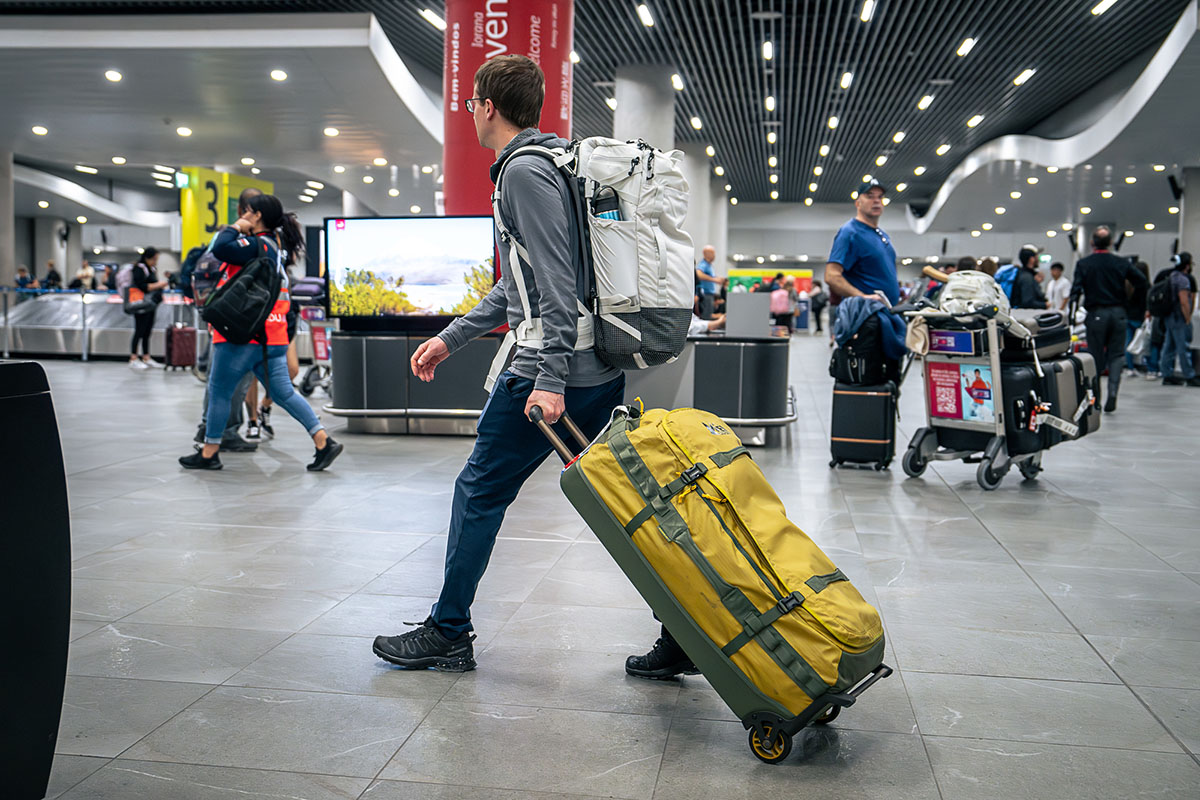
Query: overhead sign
[208,202]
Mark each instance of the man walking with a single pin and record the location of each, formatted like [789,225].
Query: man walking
[1100,279]
[556,377]
[708,282]
[1177,339]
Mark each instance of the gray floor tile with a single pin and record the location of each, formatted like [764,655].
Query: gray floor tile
[568,679]
[1013,654]
[578,587]
[104,716]
[82,627]
[168,652]
[169,566]
[976,606]
[1151,662]
[249,608]
[404,790]
[341,664]
[507,583]
[978,769]
[596,630]
[1054,712]
[104,601]
[329,734]
[70,770]
[1179,710]
[706,758]
[123,779]
[386,614]
[352,548]
[505,747]
[308,573]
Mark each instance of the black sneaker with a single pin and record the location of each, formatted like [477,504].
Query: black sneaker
[264,421]
[1111,405]
[1193,381]
[199,437]
[198,461]
[324,457]
[1173,381]
[665,660]
[253,432]
[237,444]
[426,647]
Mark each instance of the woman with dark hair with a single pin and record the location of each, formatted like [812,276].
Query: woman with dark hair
[264,230]
[145,284]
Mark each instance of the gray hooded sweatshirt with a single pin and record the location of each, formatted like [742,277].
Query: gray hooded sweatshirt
[536,208]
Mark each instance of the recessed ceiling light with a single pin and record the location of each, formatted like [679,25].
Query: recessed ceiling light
[433,19]
[769,102]
[773,178]
[919,171]
[1000,210]
[1024,76]
[823,150]
[733,201]
[380,162]
[1102,6]
[161,176]
[867,178]
[868,8]
[774,195]
[87,170]
[393,192]
[81,219]
[574,56]
[118,160]
[924,102]
[97,250]
[812,187]
[305,198]
[1131,179]
[1066,226]
[1106,194]
[898,137]
[43,203]
[710,151]
[247,161]
[772,137]
[311,192]
[966,47]
[817,170]
[332,131]
[1051,234]
[847,79]
[1032,181]
[719,170]
[696,123]
[1052,170]
[1085,210]
[314,184]
[643,12]
[183,130]
[760,259]
[1149,226]
[278,75]
[832,123]
[1159,167]
[39,130]
[854,195]
[164,184]
[900,187]
[1173,210]
[728,188]
[987,226]
[368,179]
[611,102]
[975,120]
[1128,233]
[941,151]
[1015,195]
[677,82]
[772,162]
[976,234]
[113,75]
[161,168]
[768,51]
[808,201]
[879,162]
[426,170]
[339,169]
[255,171]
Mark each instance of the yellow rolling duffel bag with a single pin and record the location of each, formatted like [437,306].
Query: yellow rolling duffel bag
[773,624]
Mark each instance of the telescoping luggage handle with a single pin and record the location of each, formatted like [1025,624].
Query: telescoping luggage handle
[560,447]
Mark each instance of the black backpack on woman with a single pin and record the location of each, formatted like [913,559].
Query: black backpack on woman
[238,309]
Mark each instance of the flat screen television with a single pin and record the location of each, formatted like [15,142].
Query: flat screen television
[407,273]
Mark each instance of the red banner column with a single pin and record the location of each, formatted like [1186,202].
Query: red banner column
[477,30]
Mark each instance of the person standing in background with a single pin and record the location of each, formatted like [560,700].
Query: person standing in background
[1177,339]
[707,281]
[146,282]
[1058,290]
[817,300]
[1026,291]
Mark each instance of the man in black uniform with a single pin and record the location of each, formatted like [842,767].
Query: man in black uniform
[1100,279]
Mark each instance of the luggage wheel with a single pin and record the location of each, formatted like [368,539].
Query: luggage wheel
[769,744]
[914,466]
[988,478]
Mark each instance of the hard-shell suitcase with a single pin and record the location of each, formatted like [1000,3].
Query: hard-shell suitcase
[775,627]
[1023,393]
[863,429]
[1051,336]
[1073,392]
[181,346]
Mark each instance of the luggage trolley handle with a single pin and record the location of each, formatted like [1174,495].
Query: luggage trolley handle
[560,447]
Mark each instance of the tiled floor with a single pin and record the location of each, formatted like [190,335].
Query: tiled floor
[1046,635]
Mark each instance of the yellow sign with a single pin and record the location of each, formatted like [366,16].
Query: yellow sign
[748,276]
[209,202]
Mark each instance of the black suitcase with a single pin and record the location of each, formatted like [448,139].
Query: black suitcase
[861,361]
[863,430]
[1023,392]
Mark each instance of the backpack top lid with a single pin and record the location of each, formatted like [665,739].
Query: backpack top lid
[968,290]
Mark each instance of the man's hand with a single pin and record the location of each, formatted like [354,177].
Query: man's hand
[431,353]
[552,405]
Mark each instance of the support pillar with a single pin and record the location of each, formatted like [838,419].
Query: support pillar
[645,105]
[1189,212]
[8,213]
[718,225]
[696,166]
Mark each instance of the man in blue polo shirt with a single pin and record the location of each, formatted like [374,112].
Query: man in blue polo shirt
[862,260]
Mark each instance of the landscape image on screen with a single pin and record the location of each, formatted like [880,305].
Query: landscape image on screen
[427,266]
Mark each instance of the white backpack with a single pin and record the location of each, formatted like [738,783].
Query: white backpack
[968,290]
[641,268]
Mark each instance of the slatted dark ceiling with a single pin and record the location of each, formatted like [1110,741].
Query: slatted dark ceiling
[905,51]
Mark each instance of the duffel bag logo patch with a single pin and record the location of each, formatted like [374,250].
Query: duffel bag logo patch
[716,430]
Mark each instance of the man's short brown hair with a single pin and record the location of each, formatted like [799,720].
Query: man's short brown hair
[516,87]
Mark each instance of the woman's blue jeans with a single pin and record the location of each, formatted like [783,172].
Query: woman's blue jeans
[229,363]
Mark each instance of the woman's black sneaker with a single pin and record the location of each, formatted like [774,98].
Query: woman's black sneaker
[325,456]
[264,419]
[665,660]
[426,647]
[198,461]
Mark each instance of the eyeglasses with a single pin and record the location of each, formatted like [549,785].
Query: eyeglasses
[470,103]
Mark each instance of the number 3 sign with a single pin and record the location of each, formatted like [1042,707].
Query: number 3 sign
[209,201]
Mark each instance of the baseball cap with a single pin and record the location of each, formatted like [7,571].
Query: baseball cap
[867,186]
[1182,259]
[1028,251]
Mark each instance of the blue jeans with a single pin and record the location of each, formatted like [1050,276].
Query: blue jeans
[1177,342]
[1131,327]
[508,449]
[229,363]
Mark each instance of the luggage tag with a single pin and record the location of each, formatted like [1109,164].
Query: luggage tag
[1086,402]
[1040,416]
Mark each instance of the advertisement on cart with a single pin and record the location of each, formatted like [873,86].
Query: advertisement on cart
[960,391]
[320,341]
